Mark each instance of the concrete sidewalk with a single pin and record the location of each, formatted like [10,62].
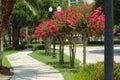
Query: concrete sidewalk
[27,68]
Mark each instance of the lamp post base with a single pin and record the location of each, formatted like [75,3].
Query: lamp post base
[53,56]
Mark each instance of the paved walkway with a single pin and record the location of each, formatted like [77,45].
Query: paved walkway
[27,68]
[94,54]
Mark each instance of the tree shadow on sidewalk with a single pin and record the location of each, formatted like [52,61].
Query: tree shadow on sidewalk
[5,73]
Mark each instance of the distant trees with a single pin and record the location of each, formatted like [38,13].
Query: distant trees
[19,19]
[100,3]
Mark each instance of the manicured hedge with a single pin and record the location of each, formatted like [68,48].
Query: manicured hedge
[95,72]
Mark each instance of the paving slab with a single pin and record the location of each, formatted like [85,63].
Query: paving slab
[27,68]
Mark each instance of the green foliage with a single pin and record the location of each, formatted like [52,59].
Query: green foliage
[20,47]
[20,15]
[96,43]
[41,7]
[66,71]
[95,72]
[117,11]
[40,47]
[99,3]
[116,27]
[29,46]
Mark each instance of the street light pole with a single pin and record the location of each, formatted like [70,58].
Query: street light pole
[54,55]
[108,63]
[50,14]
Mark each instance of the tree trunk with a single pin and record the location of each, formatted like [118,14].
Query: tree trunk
[15,35]
[48,46]
[72,55]
[1,49]
[9,34]
[84,48]
[72,48]
[5,42]
[61,51]
[0,54]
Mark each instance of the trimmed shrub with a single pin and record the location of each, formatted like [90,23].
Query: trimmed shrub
[95,72]
[29,46]
[40,47]
[19,47]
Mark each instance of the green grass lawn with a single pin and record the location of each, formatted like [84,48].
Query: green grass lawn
[5,61]
[66,71]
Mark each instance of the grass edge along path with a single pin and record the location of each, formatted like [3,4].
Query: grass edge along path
[5,61]
[63,68]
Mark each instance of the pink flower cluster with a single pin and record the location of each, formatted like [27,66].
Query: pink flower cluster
[96,21]
[80,19]
[46,29]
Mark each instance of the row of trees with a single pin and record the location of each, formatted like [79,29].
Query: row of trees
[69,24]
[25,14]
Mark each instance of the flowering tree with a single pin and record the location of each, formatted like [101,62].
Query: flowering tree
[59,18]
[46,30]
[91,23]
[67,22]
[79,20]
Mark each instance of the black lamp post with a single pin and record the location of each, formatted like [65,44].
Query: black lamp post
[50,12]
[108,63]
[50,16]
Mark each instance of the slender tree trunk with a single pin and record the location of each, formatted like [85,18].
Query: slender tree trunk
[0,53]
[27,34]
[72,55]
[15,34]
[1,49]
[45,41]
[61,51]
[5,42]
[9,34]
[48,46]
[84,48]
[72,48]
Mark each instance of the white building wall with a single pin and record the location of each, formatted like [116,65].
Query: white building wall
[85,1]
[89,1]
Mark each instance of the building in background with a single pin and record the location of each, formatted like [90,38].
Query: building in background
[70,2]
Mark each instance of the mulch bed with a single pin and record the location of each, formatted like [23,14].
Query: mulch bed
[5,73]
